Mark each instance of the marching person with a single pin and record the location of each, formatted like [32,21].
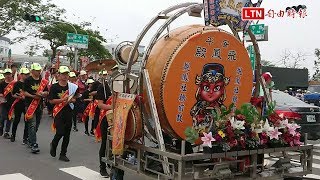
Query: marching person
[95,109]
[87,99]
[6,88]
[81,82]
[14,72]
[34,89]
[103,94]
[51,76]
[18,106]
[73,79]
[62,95]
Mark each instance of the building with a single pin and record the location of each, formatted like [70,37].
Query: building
[285,78]
[4,46]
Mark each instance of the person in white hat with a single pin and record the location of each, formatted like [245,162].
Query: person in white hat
[87,98]
[81,82]
[34,113]
[62,95]
[73,79]
[1,77]
[19,107]
[6,88]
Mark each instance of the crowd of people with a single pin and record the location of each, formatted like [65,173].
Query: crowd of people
[297,93]
[68,96]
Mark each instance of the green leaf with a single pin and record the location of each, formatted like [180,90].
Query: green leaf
[191,134]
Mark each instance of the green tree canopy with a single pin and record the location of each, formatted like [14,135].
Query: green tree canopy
[316,75]
[56,35]
[13,11]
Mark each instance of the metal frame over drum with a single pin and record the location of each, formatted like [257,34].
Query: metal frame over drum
[192,166]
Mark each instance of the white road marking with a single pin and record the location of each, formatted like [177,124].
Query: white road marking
[316,145]
[316,150]
[316,157]
[16,176]
[83,173]
[312,176]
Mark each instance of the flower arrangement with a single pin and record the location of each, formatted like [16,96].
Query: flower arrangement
[245,128]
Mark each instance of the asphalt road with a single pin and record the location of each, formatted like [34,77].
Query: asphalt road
[16,158]
[17,163]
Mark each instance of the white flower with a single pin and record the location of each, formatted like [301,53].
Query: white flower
[267,127]
[283,124]
[237,124]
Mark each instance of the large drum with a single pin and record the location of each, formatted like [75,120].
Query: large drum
[134,124]
[194,71]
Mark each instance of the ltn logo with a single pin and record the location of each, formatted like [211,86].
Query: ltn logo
[252,13]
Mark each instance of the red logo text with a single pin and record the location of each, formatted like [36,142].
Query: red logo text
[252,13]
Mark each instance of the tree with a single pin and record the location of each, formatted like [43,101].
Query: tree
[290,60]
[56,35]
[316,75]
[267,63]
[13,11]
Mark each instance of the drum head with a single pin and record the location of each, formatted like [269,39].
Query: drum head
[124,54]
[118,80]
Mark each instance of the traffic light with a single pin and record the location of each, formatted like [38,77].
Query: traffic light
[32,18]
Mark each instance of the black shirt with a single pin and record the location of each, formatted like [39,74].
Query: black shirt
[56,92]
[94,87]
[31,86]
[18,87]
[9,97]
[86,95]
[103,94]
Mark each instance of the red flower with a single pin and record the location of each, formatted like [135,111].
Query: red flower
[274,117]
[228,124]
[233,142]
[253,134]
[240,117]
[218,138]
[242,142]
[230,132]
[263,138]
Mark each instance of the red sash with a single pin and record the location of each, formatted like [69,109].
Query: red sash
[57,108]
[86,112]
[8,88]
[10,113]
[93,109]
[103,113]
[35,102]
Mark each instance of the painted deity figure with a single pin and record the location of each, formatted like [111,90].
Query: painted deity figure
[210,95]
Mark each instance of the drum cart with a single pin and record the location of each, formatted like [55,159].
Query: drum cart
[154,159]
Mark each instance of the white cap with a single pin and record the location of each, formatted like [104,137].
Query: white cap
[83,72]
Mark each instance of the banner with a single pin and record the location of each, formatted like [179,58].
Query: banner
[216,12]
[122,107]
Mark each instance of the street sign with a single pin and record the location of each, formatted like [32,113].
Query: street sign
[260,31]
[257,29]
[77,40]
[252,56]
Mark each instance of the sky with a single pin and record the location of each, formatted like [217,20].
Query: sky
[123,20]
